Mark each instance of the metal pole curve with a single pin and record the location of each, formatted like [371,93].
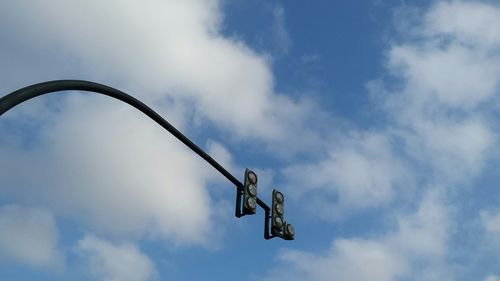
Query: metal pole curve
[17,97]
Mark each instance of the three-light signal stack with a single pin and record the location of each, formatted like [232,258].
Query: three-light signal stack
[250,193]
[279,227]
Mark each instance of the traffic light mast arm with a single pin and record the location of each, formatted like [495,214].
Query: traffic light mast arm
[11,100]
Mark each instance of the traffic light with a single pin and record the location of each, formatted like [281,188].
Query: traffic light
[278,225]
[277,222]
[250,193]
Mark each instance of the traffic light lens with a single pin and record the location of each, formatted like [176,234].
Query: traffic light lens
[251,203]
[252,177]
[290,230]
[279,209]
[279,197]
[252,190]
[278,222]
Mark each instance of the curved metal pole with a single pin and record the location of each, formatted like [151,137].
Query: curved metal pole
[11,100]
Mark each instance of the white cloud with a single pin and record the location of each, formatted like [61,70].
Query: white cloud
[453,75]
[470,23]
[29,236]
[115,262]
[456,151]
[424,234]
[416,250]
[446,84]
[492,278]
[158,49]
[354,260]
[438,129]
[360,171]
[105,163]
[281,36]
[443,86]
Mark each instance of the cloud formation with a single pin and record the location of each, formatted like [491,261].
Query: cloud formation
[29,236]
[159,49]
[361,171]
[438,98]
[441,85]
[110,262]
[104,163]
[416,250]
[447,79]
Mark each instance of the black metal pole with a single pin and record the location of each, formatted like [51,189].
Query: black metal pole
[11,100]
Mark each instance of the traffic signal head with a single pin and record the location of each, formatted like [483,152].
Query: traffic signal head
[279,227]
[278,224]
[250,192]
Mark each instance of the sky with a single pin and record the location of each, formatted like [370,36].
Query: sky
[375,118]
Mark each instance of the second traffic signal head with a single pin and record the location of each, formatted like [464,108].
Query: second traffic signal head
[279,227]
[277,222]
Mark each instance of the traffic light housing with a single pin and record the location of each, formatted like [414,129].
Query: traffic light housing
[277,221]
[250,193]
[279,227]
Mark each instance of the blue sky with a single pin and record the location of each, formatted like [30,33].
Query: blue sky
[377,119]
